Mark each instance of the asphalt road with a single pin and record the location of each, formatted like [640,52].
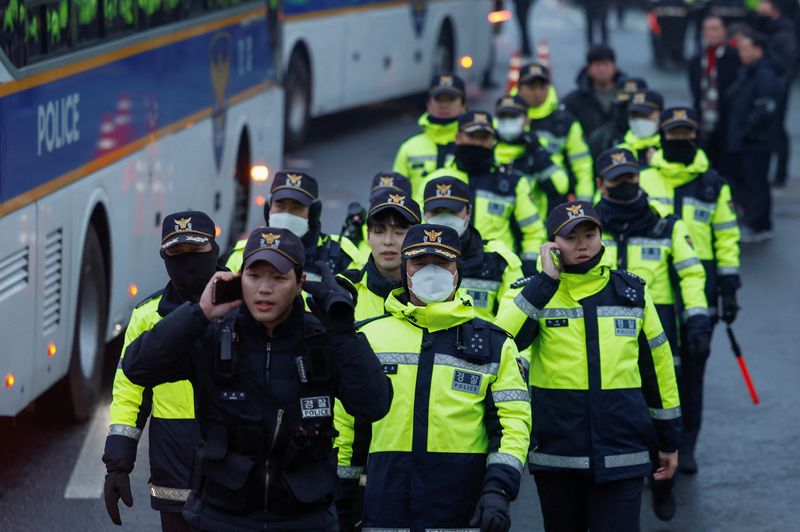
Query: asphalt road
[50,469]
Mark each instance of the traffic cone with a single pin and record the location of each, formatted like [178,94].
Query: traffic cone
[543,53]
[513,72]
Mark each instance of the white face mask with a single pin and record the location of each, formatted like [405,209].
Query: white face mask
[450,220]
[432,284]
[291,222]
[643,127]
[510,128]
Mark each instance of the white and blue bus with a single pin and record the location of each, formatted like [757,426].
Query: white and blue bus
[114,113]
[339,54]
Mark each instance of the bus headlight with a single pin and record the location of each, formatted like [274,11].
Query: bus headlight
[259,173]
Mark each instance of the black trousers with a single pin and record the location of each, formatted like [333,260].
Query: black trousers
[523,8]
[572,502]
[174,522]
[750,187]
[596,15]
[690,388]
[783,146]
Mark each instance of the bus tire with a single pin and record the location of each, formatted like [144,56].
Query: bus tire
[297,106]
[88,341]
[444,53]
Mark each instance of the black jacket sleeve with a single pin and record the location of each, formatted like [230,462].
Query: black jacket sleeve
[765,102]
[160,355]
[360,383]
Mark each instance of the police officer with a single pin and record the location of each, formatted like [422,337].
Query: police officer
[681,179]
[488,267]
[523,150]
[266,375]
[383,183]
[659,250]
[601,380]
[672,17]
[391,214]
[503,208]
[190,256]
[611,132]
[559,131]
[449,454]
[644,113]
[433,148]
[294,205]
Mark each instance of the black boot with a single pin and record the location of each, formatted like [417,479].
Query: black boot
[687,463]
[663,502]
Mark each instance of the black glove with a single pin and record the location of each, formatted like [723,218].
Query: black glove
[350,504]
[331,302]
[117,486]
[492,513]
[699,346]
[729,307]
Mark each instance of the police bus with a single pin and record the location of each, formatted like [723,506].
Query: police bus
[339,54]
[114,113]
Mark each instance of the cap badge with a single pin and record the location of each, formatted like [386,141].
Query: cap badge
[446,81]
[630,86]
[294,180]
[507,102]
[481,118]
[443,190]
[183,224]
[270,240]
[433,236]
[574,210]
[387,181]
[679,114]
[618,158]
[536,70]
[399,199]
[639,98]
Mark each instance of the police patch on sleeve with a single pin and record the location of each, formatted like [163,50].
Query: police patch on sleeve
[465,381]
[624,327]
[315,406]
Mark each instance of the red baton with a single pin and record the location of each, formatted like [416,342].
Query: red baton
[737,352]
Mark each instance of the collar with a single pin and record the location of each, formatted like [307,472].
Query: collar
[638,143]
[433,317]
[547,107]
[635,218]
[288,327]
[583,284]
[678,174]
[439,133]
[376,282]
[170,300]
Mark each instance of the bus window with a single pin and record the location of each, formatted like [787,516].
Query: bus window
[21,31]
[120,16]
[57,26]
[88,21]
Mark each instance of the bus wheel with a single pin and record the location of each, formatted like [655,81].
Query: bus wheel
[88,344]
[298,102]
[443,55]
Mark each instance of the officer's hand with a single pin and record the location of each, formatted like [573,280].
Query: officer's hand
[117,486]
[730,308]
[547,261]
[699,346]
[668,463]
[492,513]
[649,154]
[330,301]
[210,310]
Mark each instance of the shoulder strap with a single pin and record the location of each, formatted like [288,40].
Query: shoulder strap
[711,184]
[628,286]
[367,321]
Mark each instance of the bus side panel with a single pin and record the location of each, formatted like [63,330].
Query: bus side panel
[17,300]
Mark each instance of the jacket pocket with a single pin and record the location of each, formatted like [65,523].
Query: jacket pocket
[224,482]
[314,482]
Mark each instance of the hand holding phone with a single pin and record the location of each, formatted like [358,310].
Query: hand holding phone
[208,301]
[552,264]
[224,291]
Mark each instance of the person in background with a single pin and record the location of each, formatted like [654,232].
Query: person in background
[642,139]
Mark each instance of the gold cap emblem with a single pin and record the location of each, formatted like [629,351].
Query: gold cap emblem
[443,189]
[294,180]
[481,118]
[182,224]
[433,236]
[400,199]
[271,240]
[446,81]
[639,98]
[387,181]
[630,85]
[574,210]
[679,114]
[618,158]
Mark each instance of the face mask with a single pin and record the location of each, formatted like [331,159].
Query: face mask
[450,220]
[190,272]
[642,127]
[432,284]
[679,151]
[624,192]
[474,159]
[291,222]
[510,129]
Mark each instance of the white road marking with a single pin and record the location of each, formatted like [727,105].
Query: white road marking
[89,472]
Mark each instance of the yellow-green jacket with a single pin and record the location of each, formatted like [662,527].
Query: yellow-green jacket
[548,180]
[459,421]
[425,152]
[640,147]
[601,374]
[702,199]
[170,408]
[500,200]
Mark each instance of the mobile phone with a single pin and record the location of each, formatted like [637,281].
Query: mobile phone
[555,255]
[226,291]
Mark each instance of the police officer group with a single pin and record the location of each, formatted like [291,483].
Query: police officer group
[481,321]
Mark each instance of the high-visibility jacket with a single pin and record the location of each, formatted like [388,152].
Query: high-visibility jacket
[548,180]
[564,136]
[640,147]
[425,152]
[337,251]
[501,205]
[702,199]
[601,372]
[170,408]
[460,417]
[666,259]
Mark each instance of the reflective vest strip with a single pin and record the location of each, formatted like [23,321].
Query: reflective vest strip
[554,460]
[688,263]
[349,472]
[169,494]
[627,460]
[664,414]
[505,396]
[505,459]
[411,359]
[658,341]
[620,312]
[120,429]
[440,359]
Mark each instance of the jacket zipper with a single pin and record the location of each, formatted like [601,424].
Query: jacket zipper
[278,420]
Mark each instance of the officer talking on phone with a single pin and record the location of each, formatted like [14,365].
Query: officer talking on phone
[266,375]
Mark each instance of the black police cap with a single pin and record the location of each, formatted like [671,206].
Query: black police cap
[474,121]
[616,162]
[678,117]
[385,181]
[280,247]
[645,102]
[298,186]
[187,227]
[447,84]
[511,105]
[565,217]
[533,72]
[398,202]
[431,239]
[447,193]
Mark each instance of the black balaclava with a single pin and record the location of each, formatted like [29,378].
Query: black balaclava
[474,159]
[190,272]
[679,150]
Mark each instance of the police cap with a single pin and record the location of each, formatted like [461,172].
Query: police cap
[187,227]
[431,239]
[645,102]
[390,181]
[565,217]
[398,202]
[511,105]
[678,117]
[616,162]
[447,84]
[447,193]
[534,72]
[294,185]
[280,247]
[474,121]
